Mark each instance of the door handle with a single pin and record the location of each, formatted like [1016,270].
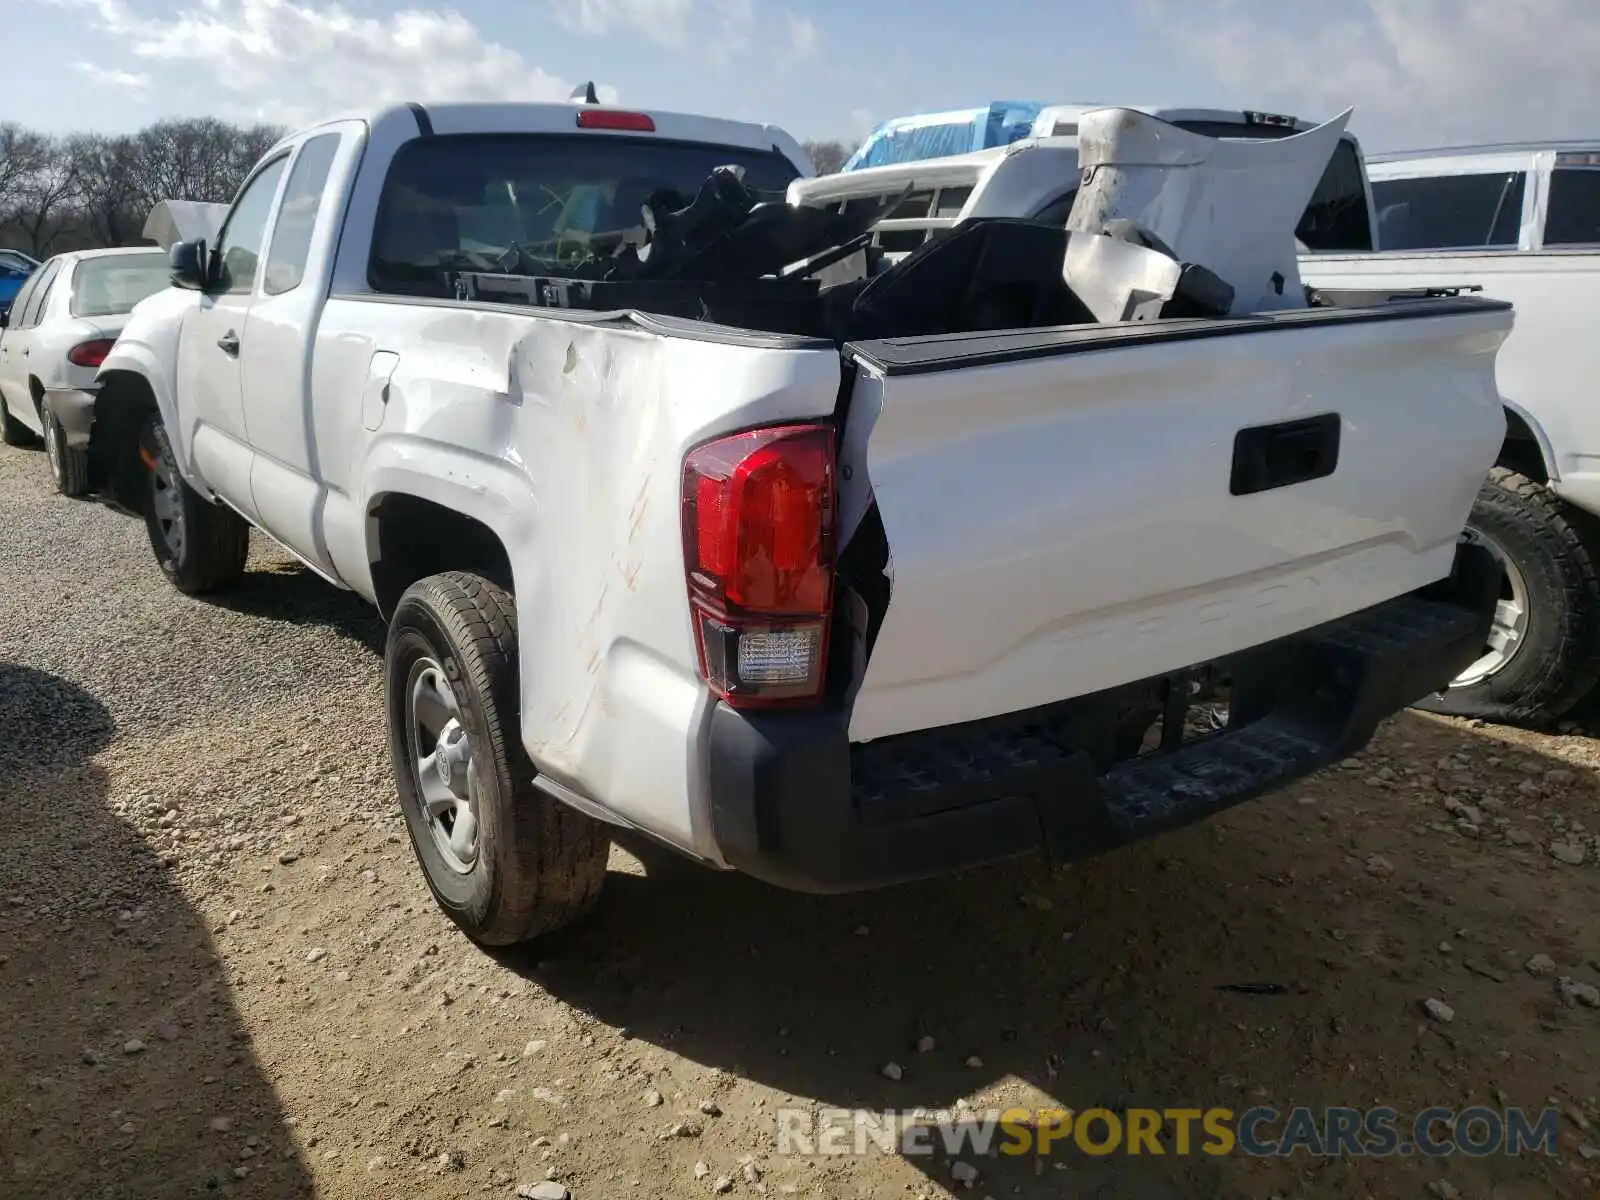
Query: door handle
[229,342]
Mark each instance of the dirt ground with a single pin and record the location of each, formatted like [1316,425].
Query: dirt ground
[221,973]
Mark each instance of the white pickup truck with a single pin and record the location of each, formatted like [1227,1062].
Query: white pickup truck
[835,615]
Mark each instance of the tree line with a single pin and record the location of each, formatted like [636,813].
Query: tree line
[60,193]
[829,156]
[75,192]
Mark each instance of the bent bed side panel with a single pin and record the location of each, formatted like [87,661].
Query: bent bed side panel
[1060,521]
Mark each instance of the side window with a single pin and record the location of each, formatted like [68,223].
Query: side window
[19,302]
[41,292]
[297,215]
[1450,212]
[1574,215]
[239,244]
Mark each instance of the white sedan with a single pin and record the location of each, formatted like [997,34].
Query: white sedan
[60,329]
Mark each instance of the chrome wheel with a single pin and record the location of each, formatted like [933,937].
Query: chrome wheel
[1510,617]
[440,752]
[166,497]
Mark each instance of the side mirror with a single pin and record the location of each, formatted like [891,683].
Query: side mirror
[5,317]
[189,261]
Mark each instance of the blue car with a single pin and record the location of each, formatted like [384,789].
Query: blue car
[15,267]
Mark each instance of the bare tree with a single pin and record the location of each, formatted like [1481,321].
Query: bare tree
[829,156]
[47,198]
[94,190]
[202,159]
[23,153]
[108,195]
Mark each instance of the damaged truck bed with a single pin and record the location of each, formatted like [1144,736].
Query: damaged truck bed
[837,574]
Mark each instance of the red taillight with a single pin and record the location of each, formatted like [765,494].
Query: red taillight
[92,353]
[604,118]
[758,516]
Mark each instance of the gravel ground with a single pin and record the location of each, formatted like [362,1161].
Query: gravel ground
[223,975]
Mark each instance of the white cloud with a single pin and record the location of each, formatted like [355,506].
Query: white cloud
[719,29]
[289,61]
[1418,72]
[803,36]
[127,81]
[664,21]
[729,26]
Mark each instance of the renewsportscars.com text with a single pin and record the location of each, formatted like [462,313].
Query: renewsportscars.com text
[1259,1132]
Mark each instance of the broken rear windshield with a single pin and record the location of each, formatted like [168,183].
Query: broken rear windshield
[532,203]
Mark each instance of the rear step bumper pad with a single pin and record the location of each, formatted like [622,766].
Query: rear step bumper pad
[795,804]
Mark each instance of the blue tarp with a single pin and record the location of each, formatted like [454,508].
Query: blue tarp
[936,135]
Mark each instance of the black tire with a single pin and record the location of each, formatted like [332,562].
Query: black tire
[537,865]
[69,467]
[1557,660]
[215,540]
[12,431]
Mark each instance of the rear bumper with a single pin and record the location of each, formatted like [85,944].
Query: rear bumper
[795,804]
[74,409]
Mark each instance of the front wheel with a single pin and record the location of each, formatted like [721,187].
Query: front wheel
[504,861]
[1543,654]
[201,546]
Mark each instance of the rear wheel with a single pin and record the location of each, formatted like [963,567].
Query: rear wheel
[69,467]
[504,861]
[1543,654]
[12,431]
[201,546]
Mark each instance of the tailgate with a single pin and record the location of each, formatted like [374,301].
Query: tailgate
[1069,510]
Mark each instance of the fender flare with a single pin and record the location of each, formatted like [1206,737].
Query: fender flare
[138,359]
[485,489]
[1540,439]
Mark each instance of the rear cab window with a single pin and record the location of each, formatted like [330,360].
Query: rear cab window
[112,284]
[533,203]
[295,225]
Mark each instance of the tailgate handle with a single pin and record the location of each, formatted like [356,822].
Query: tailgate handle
[1275,456]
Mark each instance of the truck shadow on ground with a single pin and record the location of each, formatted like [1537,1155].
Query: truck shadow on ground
[127,1071]
[277,587]
[1262,958]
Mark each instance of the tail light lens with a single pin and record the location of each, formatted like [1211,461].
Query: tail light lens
[758,538]
[91,353]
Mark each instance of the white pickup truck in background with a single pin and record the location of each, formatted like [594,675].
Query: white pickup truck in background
[834,609]
[1521,222]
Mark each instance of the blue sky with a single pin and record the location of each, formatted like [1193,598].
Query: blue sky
[1418,72]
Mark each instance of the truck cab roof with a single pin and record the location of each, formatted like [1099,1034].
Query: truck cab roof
[1587,149]
[470,117]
